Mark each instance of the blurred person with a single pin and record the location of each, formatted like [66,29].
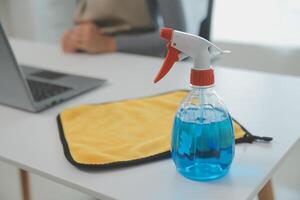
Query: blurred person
[132,26]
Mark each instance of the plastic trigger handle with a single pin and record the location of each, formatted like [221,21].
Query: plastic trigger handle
[171,58]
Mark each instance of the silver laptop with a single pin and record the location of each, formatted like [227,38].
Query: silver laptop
[34,89]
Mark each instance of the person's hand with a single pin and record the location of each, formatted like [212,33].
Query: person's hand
[88,37]
[67,44]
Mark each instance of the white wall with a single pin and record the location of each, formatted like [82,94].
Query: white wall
[20,19]
[52,18]
[267,22]
[43,21]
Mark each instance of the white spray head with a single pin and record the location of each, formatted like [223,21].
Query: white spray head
[196,47]
[182,45]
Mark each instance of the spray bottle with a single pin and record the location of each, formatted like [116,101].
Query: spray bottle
[203,138]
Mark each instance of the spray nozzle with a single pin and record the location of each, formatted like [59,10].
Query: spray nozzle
[166,33]
[181,45]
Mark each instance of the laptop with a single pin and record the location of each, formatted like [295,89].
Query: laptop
[34,89]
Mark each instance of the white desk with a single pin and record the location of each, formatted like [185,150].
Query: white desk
[266,104]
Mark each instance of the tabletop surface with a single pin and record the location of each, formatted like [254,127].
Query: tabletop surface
[265,104]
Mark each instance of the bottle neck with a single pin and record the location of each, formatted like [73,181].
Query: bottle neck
[208,89]
[202,95]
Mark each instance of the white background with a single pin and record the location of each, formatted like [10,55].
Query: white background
[272,22]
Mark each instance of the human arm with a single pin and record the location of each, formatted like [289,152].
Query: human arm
[87,37]
[150,43]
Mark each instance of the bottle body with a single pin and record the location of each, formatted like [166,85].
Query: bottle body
[203,137]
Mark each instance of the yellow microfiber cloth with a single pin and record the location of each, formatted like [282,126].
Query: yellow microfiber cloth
[126,132]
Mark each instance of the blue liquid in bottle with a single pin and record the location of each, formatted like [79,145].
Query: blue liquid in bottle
[202,142]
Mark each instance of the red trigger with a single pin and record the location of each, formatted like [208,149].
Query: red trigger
[171,58]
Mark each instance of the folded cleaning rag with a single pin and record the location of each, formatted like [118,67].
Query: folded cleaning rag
[125,133]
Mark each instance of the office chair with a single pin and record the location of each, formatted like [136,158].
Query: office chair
[205,26]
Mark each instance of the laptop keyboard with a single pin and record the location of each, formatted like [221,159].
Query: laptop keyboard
[42,91]
[48,75]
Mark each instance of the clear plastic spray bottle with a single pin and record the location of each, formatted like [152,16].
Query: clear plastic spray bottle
[203,138]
